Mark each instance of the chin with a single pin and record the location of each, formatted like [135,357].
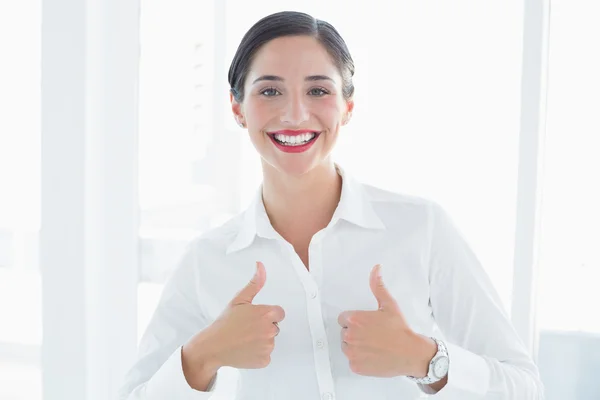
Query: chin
[294,167]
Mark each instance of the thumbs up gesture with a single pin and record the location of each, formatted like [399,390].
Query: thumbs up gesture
[380,343]
[247,331]
[243,336]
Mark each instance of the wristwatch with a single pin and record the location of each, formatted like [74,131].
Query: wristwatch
[438,366]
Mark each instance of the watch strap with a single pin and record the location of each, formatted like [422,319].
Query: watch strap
[430,377]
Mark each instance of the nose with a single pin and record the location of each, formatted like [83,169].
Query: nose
[295,112]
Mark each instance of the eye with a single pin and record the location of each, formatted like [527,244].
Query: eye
[318,92]
[270,92]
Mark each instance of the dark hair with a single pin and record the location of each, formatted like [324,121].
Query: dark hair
[289,23]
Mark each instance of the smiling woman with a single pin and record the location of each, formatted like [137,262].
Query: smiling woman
[363,283]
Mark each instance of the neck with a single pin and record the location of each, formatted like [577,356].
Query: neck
[313,198]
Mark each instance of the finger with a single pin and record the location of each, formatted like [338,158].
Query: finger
[343,318]
[247,294]
[269,313]
[384,298]
[343,334]
[343,341]
[274,313]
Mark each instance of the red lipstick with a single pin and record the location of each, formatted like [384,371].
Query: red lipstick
[293,147]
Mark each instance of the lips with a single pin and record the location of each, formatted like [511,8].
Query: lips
[293,148]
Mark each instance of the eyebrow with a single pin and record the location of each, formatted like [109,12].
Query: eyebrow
[310,78]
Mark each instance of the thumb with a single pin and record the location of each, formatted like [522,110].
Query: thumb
[247,294]
[384,299]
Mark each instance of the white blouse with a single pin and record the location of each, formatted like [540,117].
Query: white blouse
[428,267]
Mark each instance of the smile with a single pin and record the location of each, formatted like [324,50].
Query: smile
[294,143]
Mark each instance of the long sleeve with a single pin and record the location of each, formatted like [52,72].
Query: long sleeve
[157,374]
[487,358]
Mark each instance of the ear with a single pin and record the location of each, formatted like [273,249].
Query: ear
[237,110]
[349,109]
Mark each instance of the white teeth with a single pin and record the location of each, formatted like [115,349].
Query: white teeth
[295,140]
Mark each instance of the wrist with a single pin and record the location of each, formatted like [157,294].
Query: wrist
[426,350]
[199,364]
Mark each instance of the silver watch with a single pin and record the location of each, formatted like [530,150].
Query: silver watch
[438,366]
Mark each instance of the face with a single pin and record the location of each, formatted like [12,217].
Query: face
[293,105]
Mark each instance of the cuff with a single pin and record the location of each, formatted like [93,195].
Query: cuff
[170,383]
[468,376]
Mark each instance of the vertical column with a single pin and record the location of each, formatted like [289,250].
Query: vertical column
[88,238]
[533,108]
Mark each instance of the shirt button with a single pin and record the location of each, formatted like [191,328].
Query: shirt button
[313,294]
[327,396]
[320,344]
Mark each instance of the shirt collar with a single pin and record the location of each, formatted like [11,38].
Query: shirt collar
[355,206]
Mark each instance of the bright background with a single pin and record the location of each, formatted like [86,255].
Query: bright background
[438,114]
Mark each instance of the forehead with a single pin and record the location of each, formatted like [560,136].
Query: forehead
[293,56]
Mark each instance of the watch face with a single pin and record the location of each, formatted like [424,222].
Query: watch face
[440,367]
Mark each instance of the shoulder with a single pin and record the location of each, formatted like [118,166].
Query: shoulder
[217,239]
[400,207]
[201,253]
[379,195]
[208,247]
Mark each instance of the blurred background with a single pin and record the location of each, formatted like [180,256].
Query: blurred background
[117,146]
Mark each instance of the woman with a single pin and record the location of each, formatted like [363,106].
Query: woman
[370,294]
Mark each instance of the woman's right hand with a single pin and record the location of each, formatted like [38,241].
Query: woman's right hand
[243,336]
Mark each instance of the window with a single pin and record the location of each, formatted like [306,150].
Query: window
[569,262]
[178,195]
[20,283]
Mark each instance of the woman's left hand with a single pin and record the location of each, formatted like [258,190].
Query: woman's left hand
[380,343]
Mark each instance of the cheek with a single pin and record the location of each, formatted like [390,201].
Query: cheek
[329,109]
[257,111]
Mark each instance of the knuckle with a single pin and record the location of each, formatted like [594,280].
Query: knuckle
[345,350]
[356,319]
[352,320]
[266,361]
[270,333]
[346,336]
[354,367]
[275,313]
[281,313]
[349,354]
[266,335]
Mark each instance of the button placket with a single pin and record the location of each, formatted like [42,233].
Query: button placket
[315,319]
